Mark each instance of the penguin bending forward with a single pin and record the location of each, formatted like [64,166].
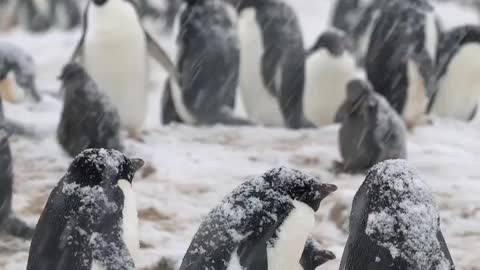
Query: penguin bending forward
[458,81]
[208,66]
[401,55]
[14,59]
[371,131]
[88,118]
[114,50]
[262,224]
[330,67]
[90,220]
[272,57]
[9,223]
[394,223]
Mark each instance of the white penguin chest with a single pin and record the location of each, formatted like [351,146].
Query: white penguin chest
[416,102]
[459,88]
[327,77]
[115,55]
[260,105]
[292,235]
[130,219]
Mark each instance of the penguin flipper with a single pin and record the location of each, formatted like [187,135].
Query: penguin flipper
[161,56]
[444,248]
[474,113]
[78,52]
[16,227]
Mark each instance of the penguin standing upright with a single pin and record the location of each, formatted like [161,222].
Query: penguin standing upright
[88,118]
[208,66]
[114,50]
[401,55]
[14,59]
[272,70]
[90,220]
[330,67]
[458,81]
[263,224]
[394,223]
[9,223]
[371,130]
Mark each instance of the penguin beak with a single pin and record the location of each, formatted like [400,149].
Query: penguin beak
[137,163]
[329,188]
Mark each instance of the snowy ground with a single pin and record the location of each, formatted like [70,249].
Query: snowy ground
[196,167]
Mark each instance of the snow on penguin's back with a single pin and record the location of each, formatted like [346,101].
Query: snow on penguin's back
[403,217]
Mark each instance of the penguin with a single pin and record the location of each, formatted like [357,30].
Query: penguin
[66,13]
[88,119]
[272,70]
[34,15]
[458,84]
[114,49]
[329,68]
[371,131]
[347,13]
[208,66]
[394,223]
[401,56]
[90,220]
[9,222]
[313,255]
[263,224]
[20,63]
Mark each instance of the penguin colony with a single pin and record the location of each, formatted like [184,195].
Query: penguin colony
[382,69]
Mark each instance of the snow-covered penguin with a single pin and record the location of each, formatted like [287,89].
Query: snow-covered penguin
[272,70]
[208,65]
[458,81]
[347,13]
[20,63]
[371,131]
[88,119]
[9,223]
[114,49]
[401,54]
[394,223]
[313,255]
[90,220]
[330,67]
[263,224]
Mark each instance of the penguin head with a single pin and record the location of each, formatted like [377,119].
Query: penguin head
[101,167]
[71,72]
[299,186]
[313,255]
[99,2]
[334,41]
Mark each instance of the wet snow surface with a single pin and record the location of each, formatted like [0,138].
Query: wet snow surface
[195,168]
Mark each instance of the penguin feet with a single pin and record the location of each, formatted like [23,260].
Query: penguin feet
[16,227]
[136,136]
[341,167]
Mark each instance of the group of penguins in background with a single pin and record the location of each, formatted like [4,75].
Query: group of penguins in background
[379,72]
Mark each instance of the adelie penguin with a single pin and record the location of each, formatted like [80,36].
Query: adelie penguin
[90,220]
[371,131]
[263,224]
[394,223]
[114,49]
[330,67]
[9,223]
[401,56]
[88,119]
[41,15]
[272,70]
[208,65]
[458,81]
[15,60]
[313,255]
